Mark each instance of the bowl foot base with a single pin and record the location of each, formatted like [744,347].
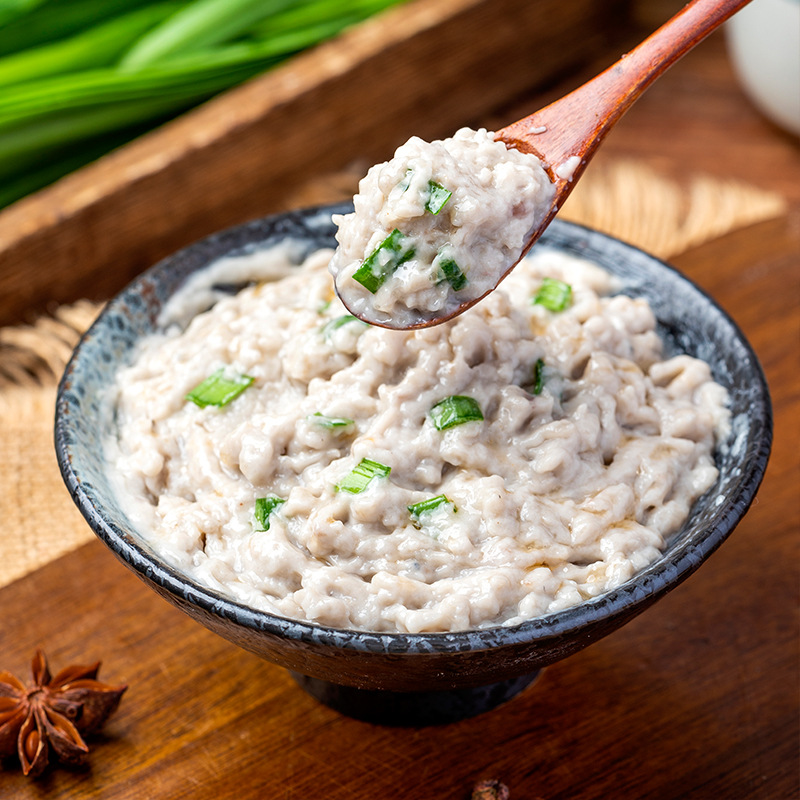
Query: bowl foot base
[413,708]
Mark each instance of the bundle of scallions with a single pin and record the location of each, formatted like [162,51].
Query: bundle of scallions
[80,77]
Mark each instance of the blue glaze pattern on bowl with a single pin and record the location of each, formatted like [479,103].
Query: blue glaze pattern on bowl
[689,321]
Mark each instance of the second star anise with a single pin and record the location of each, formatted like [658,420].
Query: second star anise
[52,713]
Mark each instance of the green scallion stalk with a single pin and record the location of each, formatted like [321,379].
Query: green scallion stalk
[309,13]
[437,197]
[357,480]
[198,26]
[264,507]
[331,423]
[393,251]
[455,410]
[182,78]
[218,390]
[431,504]
[553,294]
[53,21]
[306,22]
[71,93]
[304,35]
[14,9]
[54,112]
[98,46]
[21,147]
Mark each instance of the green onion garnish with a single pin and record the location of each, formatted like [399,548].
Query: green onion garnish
[455,410]
[437,197]
[333,325]
[264,507]
[393,251]
[406,182]
[217,390]
[553,294]
[360,476]
[432,503]
[538,376]
[452,272]
[330,422]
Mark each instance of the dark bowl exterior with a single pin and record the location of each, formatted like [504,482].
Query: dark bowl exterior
[689,322]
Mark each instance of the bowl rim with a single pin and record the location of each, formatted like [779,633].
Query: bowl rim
[644,587]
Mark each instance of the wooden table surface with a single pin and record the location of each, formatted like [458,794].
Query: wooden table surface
[696,698]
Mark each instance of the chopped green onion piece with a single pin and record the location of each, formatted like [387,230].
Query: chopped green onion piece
[264,507]
[406,182]
[452,272]
[360,476]
[437,197]
[324,307]
[553,294]
[538,376]
[455,410]
[431,504]
[217,390]
[330,422]
[333,325]
[393,251]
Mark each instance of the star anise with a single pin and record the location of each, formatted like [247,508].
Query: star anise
[52,713]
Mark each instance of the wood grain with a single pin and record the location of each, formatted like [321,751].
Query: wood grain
[695,699]
[424,68]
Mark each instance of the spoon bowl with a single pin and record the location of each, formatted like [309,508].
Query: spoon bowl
[565,135]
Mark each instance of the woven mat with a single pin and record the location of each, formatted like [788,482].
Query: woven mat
[40,522]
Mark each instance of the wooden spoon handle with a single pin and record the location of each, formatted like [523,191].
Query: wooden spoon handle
[574,126]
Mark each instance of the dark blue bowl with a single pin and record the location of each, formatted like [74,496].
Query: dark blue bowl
[423,678]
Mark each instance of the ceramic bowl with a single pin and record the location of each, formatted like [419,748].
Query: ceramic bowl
[401,678]
[764,46]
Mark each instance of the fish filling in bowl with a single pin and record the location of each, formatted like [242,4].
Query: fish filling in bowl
[530,454]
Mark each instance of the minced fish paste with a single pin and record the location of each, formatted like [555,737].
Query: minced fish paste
[437,226]
[530,454]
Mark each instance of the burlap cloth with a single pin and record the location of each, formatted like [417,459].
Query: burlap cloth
[38,521]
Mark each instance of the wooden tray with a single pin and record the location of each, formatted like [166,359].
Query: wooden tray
[424,68]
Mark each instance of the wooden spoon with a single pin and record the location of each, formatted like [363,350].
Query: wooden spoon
[566,134]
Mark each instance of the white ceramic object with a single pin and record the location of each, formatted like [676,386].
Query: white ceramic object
[764,45]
